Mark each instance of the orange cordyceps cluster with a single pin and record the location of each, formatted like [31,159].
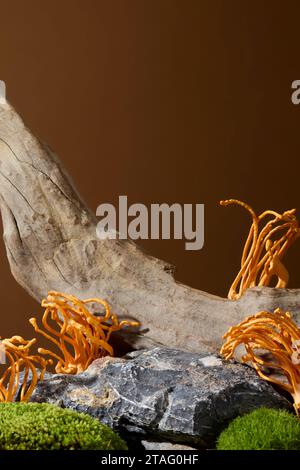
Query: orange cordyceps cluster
[23,369]
[272,344]
[264,249]
[79,336]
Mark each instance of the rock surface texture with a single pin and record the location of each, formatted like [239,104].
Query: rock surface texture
[163,394]
[162,446]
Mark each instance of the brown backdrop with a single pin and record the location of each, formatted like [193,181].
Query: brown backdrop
[164,101]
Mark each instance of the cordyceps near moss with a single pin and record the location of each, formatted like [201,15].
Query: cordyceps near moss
[23,369]
[264,249]
[277,335]
[79,336]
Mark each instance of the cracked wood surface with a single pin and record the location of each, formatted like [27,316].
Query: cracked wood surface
[51,244]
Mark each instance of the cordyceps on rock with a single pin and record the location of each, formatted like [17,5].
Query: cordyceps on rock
[264,249]
[79,336]
[277,335]
[52,247]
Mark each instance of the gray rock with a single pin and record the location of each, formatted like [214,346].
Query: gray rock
[163,394]
[154,445]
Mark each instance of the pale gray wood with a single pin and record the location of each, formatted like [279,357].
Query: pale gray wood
[51,243]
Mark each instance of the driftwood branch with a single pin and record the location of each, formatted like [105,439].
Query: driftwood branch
[51,243]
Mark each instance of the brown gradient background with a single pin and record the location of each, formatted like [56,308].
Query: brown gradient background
[165,101]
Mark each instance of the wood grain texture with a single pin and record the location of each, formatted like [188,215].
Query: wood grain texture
[51,243]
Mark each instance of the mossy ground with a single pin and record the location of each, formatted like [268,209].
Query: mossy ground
[39,426]
[262,429]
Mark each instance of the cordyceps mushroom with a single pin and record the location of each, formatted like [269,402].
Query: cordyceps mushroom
[23,370]
[277,335]
[264,249]
[79,336]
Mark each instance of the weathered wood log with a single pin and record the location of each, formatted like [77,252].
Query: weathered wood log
[51,244]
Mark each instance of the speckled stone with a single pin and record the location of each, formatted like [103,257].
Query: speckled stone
[163,394]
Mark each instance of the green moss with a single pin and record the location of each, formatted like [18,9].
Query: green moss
[38,426]
[262,429]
